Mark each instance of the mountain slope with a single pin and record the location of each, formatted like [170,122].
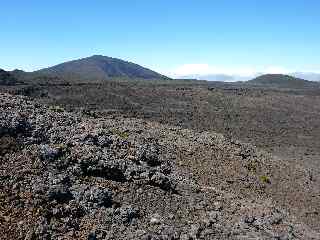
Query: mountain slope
[101,67]
[6,78]
[282,81]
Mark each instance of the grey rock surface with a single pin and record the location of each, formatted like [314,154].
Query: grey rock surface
[75,177]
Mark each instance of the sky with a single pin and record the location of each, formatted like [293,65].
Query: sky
[174,37]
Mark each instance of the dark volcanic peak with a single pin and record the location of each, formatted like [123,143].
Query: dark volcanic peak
[101,67]
[282,81]
[6,78]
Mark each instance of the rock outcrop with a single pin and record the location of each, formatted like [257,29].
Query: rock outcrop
[66,175]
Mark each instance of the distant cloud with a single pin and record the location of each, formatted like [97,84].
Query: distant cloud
[206,69]
[312,76]
[214,73]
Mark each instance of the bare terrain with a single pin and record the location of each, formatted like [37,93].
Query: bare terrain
[282,121]
[87,177]
[159,159]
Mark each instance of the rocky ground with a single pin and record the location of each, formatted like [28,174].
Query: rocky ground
[284,122]
[79,176]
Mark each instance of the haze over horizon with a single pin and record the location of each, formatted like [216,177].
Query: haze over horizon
[210,40]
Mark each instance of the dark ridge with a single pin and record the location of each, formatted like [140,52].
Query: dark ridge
[7,78]
[282,81]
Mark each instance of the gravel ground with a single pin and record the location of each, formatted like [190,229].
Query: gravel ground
[76,176]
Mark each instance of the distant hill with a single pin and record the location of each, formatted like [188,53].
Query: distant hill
[18,74]
[282,81]
[99,67]
[7,78]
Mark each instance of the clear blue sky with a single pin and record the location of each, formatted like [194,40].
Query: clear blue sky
[162,34]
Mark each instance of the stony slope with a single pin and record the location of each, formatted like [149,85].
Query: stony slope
[100,68]
[77,176]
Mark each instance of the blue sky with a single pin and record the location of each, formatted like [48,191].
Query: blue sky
[176,37]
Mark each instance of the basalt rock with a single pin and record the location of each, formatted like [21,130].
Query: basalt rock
[78,177]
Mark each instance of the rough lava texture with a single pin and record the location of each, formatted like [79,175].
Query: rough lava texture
[71,176]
